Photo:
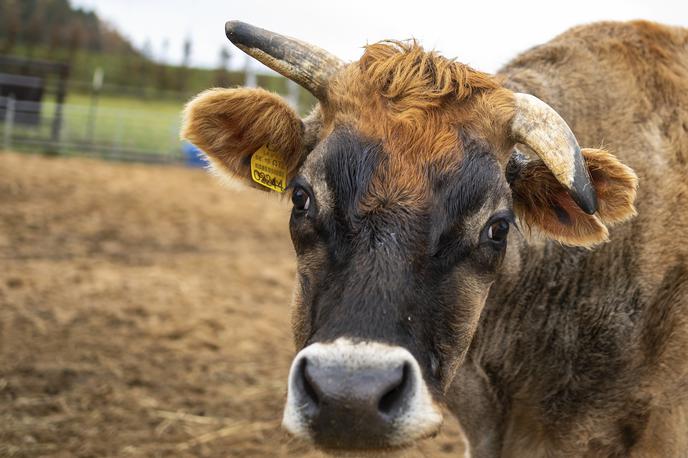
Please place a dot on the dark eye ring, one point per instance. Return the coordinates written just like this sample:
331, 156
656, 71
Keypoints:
300, 199
498, 230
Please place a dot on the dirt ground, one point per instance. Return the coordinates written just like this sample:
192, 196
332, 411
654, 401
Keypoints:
144, 311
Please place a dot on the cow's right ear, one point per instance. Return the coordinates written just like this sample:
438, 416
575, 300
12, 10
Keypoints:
546, 207
230, 125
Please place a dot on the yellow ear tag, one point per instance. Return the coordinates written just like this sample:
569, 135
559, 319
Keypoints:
267, 169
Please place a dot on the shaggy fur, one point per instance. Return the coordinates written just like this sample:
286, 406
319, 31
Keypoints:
417, 104
583, 353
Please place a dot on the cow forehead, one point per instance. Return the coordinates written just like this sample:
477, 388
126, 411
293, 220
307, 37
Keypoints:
397, 125
417, 103
357, 177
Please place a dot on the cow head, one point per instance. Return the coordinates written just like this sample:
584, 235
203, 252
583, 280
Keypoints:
407, 186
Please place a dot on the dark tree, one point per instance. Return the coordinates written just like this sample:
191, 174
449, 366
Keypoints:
11, 22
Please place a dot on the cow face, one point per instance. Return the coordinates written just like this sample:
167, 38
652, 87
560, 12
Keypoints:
391, 281
406, 193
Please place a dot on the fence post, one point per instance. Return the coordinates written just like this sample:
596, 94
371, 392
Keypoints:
250, 79
293, 94
9, 123
63, 74
93, 109
117, 151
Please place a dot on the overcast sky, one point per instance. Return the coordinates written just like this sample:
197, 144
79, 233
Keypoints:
484, 34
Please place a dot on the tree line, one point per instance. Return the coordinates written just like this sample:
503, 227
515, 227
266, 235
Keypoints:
55, 30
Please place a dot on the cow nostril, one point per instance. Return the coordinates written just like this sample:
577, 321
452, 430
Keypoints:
393, 400
309, 391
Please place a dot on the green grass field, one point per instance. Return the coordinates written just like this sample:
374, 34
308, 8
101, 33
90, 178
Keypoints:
162, 107
147, 125
114, 126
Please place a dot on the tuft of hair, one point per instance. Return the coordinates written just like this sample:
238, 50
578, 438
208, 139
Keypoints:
410, 77
417, 101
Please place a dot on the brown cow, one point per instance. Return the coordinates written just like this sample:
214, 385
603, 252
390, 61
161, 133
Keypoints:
454, 244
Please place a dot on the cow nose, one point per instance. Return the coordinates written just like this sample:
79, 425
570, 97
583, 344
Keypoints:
344, 395
362, 402
371, 393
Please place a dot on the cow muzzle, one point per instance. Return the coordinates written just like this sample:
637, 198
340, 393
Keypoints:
363, 395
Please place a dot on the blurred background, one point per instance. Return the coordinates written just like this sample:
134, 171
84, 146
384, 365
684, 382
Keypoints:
71, 82
144, 309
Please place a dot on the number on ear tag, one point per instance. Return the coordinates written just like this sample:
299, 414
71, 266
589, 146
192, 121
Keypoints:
267, 169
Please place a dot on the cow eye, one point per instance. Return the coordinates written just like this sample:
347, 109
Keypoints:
300, 199
498, 230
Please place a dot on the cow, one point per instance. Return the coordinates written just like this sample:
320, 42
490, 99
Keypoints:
458, 250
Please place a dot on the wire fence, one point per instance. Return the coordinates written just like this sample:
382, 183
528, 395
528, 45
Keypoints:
134, 124
112, 133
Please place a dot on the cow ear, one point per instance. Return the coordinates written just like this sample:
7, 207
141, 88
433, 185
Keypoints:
543, 205
230, 125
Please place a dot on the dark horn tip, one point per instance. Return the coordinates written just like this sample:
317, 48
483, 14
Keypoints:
582, 191
585, 197
235, 29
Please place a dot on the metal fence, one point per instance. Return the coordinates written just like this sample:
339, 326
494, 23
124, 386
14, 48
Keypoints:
34, 117
113, 133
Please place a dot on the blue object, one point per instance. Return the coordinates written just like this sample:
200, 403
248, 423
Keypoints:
194, 157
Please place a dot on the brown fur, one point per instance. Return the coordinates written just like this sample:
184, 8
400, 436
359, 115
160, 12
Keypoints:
610, 376
416, 103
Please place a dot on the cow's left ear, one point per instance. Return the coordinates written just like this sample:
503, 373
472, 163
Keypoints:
543, 205
230, 125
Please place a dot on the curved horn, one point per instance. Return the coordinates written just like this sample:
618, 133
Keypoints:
536, 125
307, 65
